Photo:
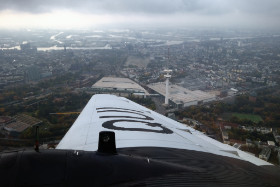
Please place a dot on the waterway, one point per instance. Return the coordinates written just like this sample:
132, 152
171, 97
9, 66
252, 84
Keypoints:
54, 37
73, 48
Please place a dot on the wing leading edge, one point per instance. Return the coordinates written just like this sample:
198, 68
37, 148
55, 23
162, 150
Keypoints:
137, 126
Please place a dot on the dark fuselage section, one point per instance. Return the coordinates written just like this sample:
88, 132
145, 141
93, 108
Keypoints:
131, 166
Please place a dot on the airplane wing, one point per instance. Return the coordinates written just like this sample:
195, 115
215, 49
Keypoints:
137, 126
115, 141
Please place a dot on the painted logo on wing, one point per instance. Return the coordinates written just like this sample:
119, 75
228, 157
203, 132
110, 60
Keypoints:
142, 119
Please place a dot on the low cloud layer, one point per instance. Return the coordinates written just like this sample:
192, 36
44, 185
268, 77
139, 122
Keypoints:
248, 12
269, 7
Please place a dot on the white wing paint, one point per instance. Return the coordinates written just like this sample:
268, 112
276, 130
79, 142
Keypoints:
137, 126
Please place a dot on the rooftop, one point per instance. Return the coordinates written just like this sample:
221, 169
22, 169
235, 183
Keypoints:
17, 126
21, 123
119, 84
181, 95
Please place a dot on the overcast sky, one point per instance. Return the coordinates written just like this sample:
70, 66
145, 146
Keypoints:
257, 14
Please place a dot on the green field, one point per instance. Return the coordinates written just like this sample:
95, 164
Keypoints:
252, 117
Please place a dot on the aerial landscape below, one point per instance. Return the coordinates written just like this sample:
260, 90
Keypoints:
205, 74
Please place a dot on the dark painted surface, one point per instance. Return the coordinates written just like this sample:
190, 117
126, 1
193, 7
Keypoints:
131, 166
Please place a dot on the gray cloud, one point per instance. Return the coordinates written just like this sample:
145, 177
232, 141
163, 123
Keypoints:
105, 6
215, 7
243, 11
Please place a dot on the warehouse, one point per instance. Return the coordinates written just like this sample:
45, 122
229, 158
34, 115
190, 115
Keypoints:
182, 97
118, 86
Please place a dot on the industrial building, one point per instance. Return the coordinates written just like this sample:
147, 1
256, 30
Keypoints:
118, 86
265, 153
182, 97
19, 123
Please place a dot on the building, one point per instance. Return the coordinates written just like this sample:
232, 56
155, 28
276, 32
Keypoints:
262, 145
228, 126
33, 73
239, 142
15, 128
276, 137
232, 92
26, 47
250, 143
223, 93
118, 86
265, 153
271, 143
237, 145
182, 97
19, 124
4, 120
225, 137
253, 96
